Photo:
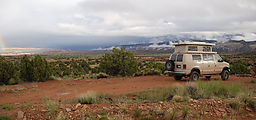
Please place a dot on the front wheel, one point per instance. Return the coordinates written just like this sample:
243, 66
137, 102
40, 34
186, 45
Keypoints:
225, 75
194, 76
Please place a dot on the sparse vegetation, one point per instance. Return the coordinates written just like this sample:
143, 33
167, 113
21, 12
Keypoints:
240, 67
172, 115
52, 108
198, 90
25, 106
60, 116
137, 113
7, 107
236, 104
88, 98
5, 117
253, 81
185, 111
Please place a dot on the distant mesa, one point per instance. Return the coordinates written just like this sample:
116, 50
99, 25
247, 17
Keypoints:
23, 51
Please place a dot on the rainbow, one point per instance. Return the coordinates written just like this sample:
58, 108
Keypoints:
2, 44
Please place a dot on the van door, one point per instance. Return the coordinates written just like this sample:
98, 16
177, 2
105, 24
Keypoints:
208, 64
211, 64
218, 64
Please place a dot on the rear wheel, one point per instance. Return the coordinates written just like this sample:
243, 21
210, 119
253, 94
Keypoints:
194, 76
169, 65
225, 75
177, 77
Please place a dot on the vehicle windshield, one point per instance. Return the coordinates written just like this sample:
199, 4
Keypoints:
173, 58
218, 58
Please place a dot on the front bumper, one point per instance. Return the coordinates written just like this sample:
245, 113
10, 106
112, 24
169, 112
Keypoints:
177, 73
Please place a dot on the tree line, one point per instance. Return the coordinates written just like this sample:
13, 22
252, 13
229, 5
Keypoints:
118, 63
36, 69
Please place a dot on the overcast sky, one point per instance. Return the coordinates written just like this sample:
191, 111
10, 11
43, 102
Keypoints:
34, 20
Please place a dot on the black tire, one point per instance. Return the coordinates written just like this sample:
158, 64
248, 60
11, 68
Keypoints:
194, 76
208, 77
225, 75
177, 77
169, 65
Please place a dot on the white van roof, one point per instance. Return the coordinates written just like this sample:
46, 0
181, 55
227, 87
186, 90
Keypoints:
193, 43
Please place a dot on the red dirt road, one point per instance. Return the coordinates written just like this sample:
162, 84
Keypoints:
37, 93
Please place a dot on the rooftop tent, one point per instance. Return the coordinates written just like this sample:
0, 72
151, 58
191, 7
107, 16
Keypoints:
193, 47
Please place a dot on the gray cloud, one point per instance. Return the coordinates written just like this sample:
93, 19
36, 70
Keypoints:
122, 18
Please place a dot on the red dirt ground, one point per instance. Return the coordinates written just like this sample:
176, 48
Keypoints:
37, 93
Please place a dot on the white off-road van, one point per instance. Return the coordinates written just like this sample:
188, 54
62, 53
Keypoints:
195, 59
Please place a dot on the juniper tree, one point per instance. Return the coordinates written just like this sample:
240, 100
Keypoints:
41, 69
26, 69
7, 71
119, 62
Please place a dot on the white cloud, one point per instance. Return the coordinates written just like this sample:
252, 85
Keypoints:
126, 17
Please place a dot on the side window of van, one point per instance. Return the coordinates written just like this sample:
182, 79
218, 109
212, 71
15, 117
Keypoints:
205, 57
180, 58
196, 57
192, 48
210, 57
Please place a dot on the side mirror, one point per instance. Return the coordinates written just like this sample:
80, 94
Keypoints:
220, 60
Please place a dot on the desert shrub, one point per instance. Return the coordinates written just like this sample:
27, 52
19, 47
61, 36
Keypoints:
26, 69
192, 89
185, 111
253, 81
101, 75
41, 69
173, 114
36, 69
88, 98
119, 62
60, 116
150, 68
160, 67
137, 113
178, 91
5, 117
7, 71
240, 67
254, 69
177, 98
248, 101
236, 104
52, 108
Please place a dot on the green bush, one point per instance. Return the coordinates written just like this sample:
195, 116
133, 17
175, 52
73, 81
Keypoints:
240, 67
7, 72
150, 68
119, 63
